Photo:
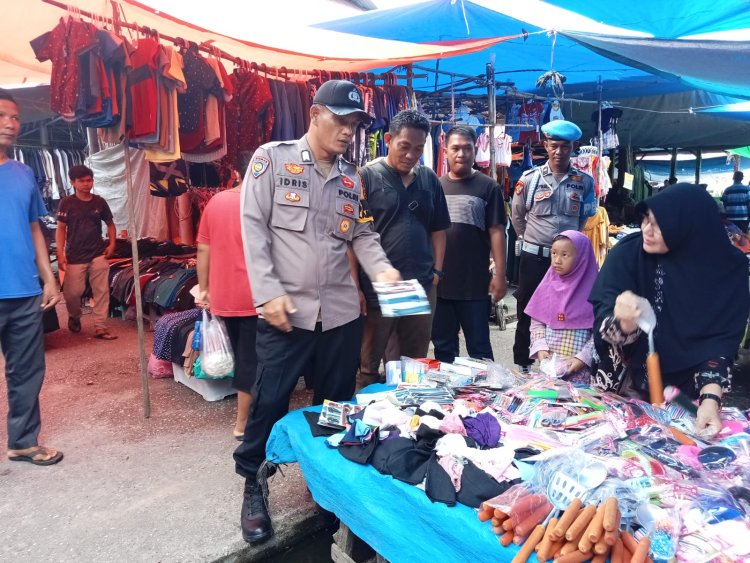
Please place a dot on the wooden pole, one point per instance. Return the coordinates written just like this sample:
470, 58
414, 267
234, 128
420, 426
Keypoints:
133, 233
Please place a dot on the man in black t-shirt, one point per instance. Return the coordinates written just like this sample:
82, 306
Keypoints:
81, 251
408, 207
477, 231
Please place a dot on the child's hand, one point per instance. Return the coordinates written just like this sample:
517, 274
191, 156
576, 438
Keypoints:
542, 355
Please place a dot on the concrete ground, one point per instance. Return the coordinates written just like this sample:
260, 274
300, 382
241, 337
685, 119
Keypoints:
133, 489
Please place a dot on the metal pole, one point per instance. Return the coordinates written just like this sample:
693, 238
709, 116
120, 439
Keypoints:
133, 232
491, 104
599, 131
698, 158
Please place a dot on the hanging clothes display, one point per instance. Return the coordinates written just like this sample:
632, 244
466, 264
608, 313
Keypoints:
108, 166
530, 113
62, 45
553, 111
610, 116
597, 231
503, 145
50, 167
588, 162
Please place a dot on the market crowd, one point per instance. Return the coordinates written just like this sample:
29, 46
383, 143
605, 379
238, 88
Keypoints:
287, 260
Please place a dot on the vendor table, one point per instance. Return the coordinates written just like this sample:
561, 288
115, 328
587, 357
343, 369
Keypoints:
396, 519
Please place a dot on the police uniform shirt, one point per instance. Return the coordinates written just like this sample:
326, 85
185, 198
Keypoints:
543, 207
296, 228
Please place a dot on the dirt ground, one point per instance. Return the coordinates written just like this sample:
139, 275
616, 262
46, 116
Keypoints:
130, 488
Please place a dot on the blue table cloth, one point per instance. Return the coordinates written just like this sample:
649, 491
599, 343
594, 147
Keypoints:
396, 519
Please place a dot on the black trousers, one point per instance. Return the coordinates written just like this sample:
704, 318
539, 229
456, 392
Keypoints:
472, 316
332, 357
241, 332
23, 348
532, 271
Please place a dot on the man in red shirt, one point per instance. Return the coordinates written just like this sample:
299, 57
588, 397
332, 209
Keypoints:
225, 289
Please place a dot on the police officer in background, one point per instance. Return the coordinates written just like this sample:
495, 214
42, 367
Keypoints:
301, 211
548, 200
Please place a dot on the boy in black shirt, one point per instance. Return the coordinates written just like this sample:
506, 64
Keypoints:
81, 250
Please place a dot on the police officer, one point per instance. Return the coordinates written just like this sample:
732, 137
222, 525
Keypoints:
301, 211
548, 200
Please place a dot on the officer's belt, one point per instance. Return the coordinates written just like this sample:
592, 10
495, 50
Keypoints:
536, 249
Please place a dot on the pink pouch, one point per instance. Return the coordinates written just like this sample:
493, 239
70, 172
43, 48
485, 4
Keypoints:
159, 369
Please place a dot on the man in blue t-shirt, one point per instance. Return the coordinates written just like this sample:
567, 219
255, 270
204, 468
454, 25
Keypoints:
28, 288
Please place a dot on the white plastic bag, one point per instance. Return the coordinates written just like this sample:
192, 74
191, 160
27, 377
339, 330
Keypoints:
217, 359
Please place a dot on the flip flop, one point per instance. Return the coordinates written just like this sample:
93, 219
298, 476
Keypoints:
29, 457
104, 335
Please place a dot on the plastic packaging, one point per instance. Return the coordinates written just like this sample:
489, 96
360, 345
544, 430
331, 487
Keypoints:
413, 370
662, 526
217, 359
500, 377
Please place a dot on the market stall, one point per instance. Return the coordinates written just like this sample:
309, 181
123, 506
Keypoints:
553, 441
156, 96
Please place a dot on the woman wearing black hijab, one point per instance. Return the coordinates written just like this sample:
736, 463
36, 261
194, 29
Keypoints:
696, 281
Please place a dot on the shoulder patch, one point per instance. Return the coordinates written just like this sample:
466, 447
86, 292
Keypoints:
520, 186
259, 165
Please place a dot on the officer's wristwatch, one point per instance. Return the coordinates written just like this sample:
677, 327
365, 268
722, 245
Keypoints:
438, 273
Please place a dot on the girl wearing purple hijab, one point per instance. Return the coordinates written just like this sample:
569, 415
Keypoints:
562, 319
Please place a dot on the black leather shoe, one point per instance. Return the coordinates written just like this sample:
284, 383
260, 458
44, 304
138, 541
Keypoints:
74, 325
255, 521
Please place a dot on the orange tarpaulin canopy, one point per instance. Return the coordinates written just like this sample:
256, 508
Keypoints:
238, 29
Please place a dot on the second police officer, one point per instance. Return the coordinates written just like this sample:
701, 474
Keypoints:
548, 200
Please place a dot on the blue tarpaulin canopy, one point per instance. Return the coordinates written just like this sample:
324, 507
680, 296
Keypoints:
517, 60
717, 66
662, 85
628, 66
666, 20
739, 111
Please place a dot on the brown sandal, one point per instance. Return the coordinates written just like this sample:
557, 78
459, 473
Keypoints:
104, 334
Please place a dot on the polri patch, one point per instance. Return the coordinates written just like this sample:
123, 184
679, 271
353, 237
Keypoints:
348, 182
519, 187
349, 209
345, 225
294, 168
259, 166
292, 197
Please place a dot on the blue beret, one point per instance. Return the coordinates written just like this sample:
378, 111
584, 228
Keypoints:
561, 130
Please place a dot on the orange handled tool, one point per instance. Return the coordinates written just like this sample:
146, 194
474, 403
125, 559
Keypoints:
653, 371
